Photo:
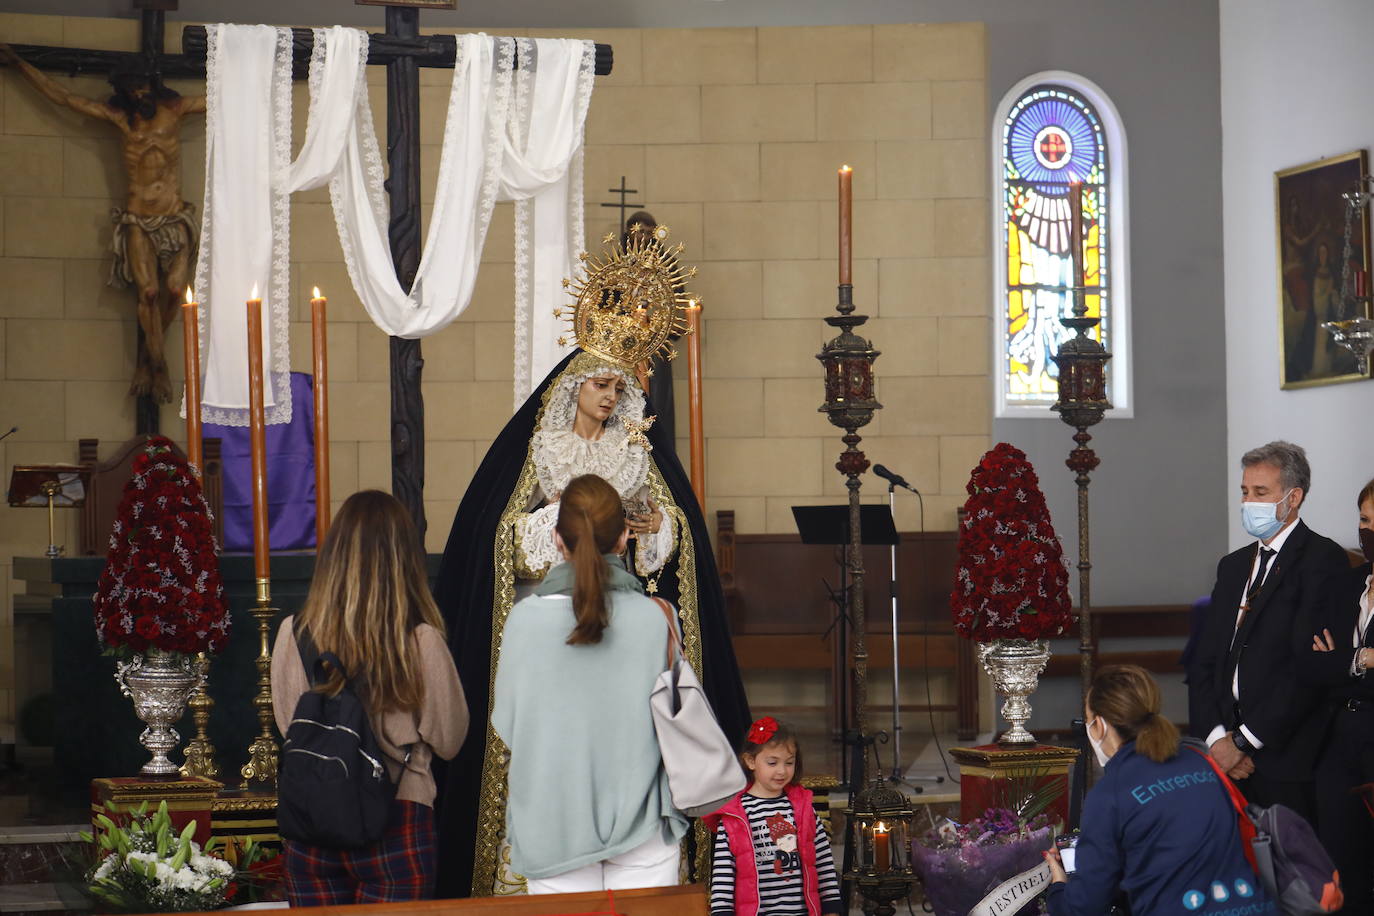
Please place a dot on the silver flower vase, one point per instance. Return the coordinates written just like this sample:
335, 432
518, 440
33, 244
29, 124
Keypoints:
159, 684
1015, 666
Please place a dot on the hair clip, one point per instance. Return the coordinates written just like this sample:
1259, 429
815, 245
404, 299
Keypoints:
762, 731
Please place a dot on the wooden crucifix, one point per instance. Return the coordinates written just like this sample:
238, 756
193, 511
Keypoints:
403, 51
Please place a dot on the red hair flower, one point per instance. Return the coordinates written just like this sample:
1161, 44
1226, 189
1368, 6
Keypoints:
762, 731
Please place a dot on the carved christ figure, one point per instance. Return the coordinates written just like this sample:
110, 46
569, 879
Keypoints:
154, 240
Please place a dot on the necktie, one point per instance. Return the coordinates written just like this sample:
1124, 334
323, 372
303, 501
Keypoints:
1266, 554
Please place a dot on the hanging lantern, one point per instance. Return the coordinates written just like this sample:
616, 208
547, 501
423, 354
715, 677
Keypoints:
880, 824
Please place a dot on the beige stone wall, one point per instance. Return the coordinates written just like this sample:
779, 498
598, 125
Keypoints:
732, 136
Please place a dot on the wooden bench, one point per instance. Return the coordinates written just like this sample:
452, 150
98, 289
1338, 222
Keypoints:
782, 617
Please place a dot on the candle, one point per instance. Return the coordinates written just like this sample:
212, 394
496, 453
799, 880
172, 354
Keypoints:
319, 348
1361, 287
1076, 230
190, 345
882, 853
258, 440
696, 434
846, 224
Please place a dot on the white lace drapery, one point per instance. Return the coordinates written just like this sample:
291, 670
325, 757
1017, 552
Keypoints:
542, 172
534, 158
245, 222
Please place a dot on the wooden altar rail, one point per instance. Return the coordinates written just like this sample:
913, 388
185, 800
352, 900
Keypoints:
778, 611
683, 900
1134, 621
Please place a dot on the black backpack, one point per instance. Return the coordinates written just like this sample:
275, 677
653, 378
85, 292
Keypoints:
332, 789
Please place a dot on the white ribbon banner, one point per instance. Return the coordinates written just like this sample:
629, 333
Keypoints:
1014, 893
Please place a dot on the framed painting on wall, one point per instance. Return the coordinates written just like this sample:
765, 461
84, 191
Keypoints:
1316, 269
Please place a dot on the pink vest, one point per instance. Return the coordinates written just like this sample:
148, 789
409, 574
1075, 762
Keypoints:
741, 843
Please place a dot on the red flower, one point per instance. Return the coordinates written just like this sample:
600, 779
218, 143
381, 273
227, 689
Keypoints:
762, 731
161, 585
1010, 580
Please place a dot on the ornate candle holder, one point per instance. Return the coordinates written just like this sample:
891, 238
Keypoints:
200, 753
1357, 336
849, 403
1082, 363
261, 767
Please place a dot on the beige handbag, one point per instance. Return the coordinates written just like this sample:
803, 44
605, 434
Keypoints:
703, 771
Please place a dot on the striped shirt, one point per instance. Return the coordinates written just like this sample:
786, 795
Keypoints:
776, 860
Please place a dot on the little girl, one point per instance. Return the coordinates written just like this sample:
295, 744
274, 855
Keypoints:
772, 856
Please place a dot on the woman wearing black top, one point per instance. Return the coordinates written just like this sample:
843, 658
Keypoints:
1341, 660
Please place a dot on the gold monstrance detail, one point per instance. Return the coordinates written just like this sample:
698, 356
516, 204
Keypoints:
632, 301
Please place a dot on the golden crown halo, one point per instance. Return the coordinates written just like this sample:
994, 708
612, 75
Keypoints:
632, 299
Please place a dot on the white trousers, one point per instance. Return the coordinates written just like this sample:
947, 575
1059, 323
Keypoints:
653, 863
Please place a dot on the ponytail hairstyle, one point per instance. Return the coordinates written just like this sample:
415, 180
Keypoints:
591, 521
770, 733
1127, 698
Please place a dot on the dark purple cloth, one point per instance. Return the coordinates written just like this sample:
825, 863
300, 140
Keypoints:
290, 476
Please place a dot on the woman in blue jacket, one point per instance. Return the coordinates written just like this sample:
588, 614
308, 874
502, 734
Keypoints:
1158, 825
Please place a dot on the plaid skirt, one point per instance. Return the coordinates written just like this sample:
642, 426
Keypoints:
400, 866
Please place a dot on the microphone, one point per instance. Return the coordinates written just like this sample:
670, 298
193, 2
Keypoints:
893, 478
12, 431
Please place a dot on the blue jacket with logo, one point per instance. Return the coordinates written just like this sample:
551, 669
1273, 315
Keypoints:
1166, 834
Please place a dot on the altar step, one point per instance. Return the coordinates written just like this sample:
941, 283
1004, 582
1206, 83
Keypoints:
37, 863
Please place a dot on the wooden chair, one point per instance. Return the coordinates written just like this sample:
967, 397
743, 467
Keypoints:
107, 487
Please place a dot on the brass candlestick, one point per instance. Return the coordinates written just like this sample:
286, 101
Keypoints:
200, 753
261, 768
50, 489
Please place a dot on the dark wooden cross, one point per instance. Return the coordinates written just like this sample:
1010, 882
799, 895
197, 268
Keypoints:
403, 50
622, 204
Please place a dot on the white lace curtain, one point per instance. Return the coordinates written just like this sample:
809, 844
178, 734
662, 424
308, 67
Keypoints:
510, 135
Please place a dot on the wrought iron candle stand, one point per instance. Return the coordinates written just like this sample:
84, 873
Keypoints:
849, 403
1082, 363
261, 768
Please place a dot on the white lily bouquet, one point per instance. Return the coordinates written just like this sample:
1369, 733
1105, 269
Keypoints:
149, 868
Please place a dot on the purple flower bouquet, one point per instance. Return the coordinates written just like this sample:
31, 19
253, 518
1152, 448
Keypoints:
960, 864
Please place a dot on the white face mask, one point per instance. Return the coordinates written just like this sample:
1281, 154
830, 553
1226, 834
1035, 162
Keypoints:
1102, 756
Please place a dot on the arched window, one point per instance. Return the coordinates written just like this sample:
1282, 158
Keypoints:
1053, 129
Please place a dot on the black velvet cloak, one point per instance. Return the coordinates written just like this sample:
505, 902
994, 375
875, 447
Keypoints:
465, 592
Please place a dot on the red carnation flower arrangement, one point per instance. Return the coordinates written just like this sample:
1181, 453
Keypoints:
161, 586
1010, 581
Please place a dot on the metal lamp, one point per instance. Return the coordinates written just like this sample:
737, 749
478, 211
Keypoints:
880, 822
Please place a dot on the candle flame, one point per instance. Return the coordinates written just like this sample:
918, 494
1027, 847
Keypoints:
190, 297
694, 303
880, 827
316, 293
254, 293
845, 168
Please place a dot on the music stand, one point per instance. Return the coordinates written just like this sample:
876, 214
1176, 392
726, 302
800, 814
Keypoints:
50, 485
830, 525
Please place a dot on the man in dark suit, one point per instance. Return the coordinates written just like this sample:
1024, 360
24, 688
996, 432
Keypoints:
1246, 698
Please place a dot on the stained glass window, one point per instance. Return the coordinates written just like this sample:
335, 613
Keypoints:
1051, 136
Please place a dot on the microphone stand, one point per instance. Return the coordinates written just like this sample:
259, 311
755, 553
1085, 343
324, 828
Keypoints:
896, 676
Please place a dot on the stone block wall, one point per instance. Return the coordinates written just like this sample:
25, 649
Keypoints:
732, 137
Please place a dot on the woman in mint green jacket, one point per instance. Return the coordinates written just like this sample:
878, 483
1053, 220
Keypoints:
589, 806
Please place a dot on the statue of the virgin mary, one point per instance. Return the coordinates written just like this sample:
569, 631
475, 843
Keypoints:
588, 416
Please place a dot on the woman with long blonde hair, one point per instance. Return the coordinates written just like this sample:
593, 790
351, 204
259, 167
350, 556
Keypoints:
370, 605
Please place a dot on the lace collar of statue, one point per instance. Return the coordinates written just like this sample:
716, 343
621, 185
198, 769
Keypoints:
561, 454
